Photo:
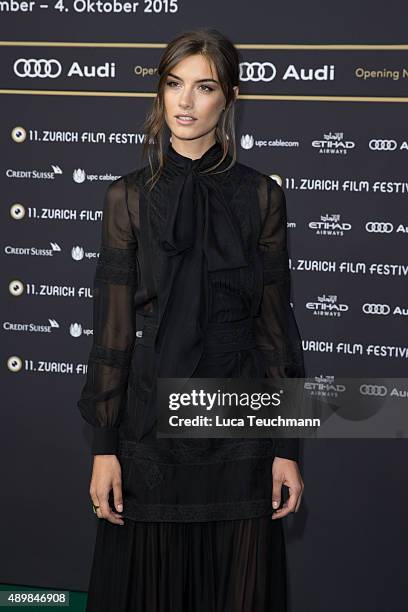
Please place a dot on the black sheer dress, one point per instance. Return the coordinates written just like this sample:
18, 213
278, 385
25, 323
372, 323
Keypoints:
192, 280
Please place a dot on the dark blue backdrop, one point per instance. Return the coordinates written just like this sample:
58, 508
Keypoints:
323, 109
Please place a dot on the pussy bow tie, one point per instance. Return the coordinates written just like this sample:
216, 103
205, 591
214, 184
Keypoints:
201, 235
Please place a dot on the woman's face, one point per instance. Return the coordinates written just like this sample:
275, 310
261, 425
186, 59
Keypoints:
192, 88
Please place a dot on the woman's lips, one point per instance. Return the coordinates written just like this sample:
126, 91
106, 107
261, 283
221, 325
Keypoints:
183, 121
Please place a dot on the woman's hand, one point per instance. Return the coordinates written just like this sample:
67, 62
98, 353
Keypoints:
286, 471
107, 474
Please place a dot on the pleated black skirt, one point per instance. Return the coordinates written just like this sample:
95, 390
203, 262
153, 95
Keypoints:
215, 566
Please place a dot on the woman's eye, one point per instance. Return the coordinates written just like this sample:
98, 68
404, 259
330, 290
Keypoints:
205, 87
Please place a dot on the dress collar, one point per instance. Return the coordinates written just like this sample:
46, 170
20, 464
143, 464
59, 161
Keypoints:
183, 164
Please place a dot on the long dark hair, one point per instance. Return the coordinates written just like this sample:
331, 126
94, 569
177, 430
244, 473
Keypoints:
225, 57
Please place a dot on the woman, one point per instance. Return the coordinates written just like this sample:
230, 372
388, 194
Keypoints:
192, 280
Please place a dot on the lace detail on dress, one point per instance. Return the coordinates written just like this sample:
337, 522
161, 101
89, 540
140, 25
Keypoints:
110, 357
276, 267
197, 451
196, 512
116, 266
151, 473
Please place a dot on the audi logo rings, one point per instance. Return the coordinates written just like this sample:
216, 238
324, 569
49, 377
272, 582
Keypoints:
382, 145
378, 309
37, 68
379, 227
378, 390
257, 71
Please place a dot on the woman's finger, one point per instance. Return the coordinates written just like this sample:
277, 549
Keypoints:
117, 495
106, 511
290, 504
95, 502
299, 500
276, 491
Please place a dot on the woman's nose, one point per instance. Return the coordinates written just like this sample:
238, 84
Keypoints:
186, 100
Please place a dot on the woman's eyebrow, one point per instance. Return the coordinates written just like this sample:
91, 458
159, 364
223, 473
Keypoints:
197, 81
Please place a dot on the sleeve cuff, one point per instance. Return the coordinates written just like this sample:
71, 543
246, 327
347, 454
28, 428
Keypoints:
104, 441
287, 448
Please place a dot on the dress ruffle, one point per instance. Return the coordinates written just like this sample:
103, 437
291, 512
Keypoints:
223, 566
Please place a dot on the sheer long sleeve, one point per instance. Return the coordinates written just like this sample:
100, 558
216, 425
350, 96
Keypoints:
275, 326
103, 395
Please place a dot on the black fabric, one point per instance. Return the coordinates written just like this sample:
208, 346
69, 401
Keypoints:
201, 235
192, 279
224, 566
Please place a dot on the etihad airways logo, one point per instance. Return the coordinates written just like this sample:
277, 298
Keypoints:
327, 306
333, 143
324, 386
51, 68
330, 225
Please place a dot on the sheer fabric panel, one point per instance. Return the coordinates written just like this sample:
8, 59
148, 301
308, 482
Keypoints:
114, 285
276, 330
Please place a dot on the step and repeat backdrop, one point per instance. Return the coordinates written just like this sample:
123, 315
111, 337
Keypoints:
323, 109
